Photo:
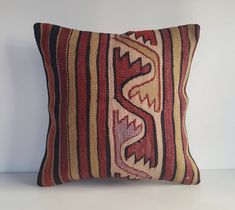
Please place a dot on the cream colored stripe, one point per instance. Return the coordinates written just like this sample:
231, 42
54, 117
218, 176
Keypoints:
72, 105
93, 105
180, 160
192, 39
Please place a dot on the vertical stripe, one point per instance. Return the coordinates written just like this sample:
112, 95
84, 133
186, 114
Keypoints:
53, 46
83, 105
167, 115
72, 104
37, 34
180, 161
184, 65
102, 115
47, 172
62, 46
93, 105
77, 107
193, 32
45, 45
50, 34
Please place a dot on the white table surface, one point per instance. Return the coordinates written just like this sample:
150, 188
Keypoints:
18, 191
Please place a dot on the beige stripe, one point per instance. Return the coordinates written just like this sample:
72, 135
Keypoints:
93, 105
192, 39
72, 105
180, 160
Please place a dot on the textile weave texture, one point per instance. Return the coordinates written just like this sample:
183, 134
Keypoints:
117, 104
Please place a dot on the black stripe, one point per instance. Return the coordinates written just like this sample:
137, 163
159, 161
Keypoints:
88, 79
37, 34
197, 32
77, 99
173, 95
162, 114
183, 39
52, 45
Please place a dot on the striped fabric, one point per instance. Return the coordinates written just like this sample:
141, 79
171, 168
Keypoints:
117, 104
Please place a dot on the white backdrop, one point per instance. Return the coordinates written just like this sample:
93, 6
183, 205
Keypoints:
211, 86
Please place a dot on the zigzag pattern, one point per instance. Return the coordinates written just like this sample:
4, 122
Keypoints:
127, 123
145, 35
146, 98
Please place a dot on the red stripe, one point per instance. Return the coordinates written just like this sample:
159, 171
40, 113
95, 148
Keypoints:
63, 40
102, 108
47, 179
184, 64
168, 100
82, 104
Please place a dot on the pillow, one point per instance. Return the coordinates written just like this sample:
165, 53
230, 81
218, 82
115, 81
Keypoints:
117, 104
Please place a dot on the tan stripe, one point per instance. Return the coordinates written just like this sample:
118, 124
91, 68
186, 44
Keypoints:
72, 105
93, 105
192, 39
180, 161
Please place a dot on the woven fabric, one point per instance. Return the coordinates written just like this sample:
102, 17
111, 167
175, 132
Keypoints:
117, 104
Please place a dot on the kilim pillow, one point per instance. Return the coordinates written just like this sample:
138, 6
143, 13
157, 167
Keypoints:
117, 104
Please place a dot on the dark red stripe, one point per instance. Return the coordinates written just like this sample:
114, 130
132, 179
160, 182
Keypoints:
184, 65
82, 105
167, 115
63, 41
102, 115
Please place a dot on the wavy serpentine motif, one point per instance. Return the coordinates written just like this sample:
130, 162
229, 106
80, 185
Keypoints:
136, 92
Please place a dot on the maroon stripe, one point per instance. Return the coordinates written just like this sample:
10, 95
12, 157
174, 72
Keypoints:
82, 105
63, 41
167, 115
184, 65
102, 105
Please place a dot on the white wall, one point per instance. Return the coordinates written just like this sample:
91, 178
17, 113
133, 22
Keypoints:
211, 87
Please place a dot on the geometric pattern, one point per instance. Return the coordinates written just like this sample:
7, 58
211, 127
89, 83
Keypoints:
117, 104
